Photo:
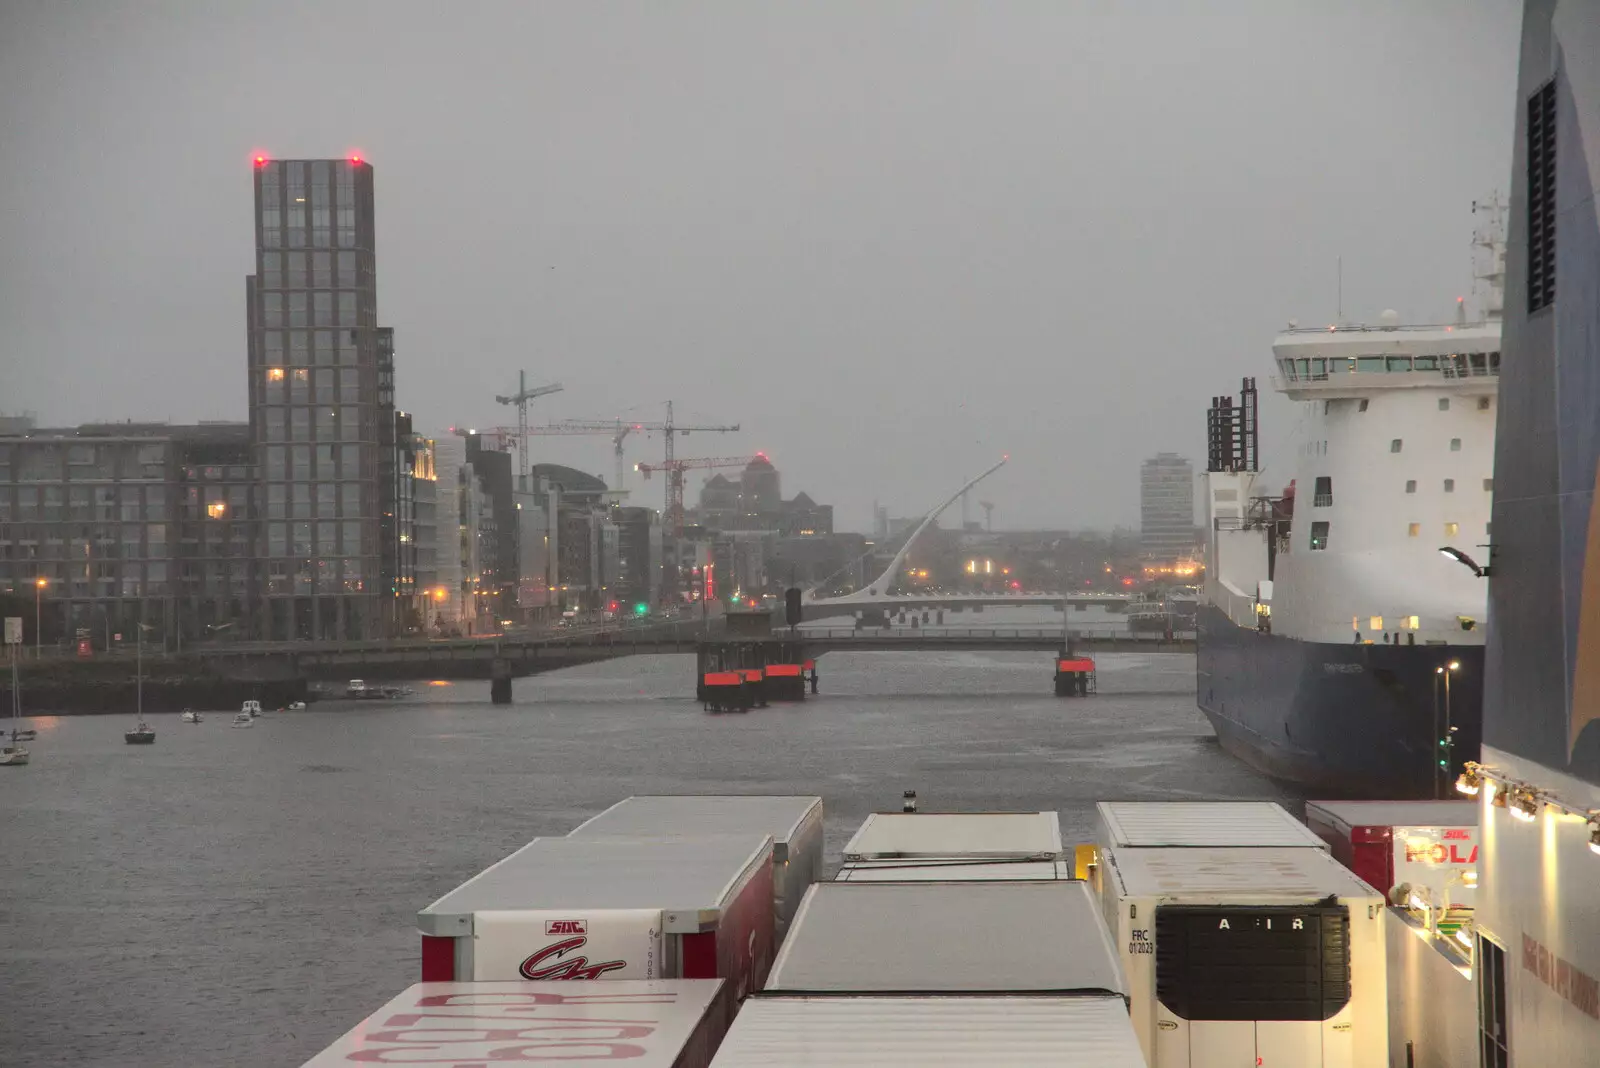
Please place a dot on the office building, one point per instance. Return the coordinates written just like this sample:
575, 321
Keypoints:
1166, 508
109, 526
321, 394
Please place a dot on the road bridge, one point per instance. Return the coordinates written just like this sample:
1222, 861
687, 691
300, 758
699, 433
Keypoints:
509, 656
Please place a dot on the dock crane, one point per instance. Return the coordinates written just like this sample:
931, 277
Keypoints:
521, 398
675, 468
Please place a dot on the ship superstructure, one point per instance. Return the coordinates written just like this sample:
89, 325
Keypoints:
1331, 614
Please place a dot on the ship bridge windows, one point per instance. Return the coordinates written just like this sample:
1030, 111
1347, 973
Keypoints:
1452, 529
1455, 444
1319, 536
1444, 404
1483, 404
1414, 530
1398, 363
1362, 406
1449, 485
1322, 492
1488, 485
1370, 364
1395, 445
1425, 363
1411, 485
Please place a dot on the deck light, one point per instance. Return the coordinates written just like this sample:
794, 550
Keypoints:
1469, 782
1524, 804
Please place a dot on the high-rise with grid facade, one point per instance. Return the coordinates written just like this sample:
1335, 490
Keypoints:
321, 405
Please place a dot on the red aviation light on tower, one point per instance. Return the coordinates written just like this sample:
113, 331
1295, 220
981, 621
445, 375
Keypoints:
260, 159
355, 159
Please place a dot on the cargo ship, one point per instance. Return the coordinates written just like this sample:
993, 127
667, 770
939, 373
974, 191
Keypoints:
1340, 635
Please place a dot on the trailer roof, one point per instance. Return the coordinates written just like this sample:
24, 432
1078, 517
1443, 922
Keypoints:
1007, 835
692, 876
783, 817
947, 938
1397, 813
931, 1032
1203, 823
1240, 873
457, 1023
952, 870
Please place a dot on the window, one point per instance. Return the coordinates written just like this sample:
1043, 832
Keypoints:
1414, 530
1455, 444
1413, 623
271, 309
1541, 133
1483, 404
1376, 622
1444, 404
1488, 485
1449, 485
1322, 494
1452, 529
1394, 446
1363, 405
1494, 1045
1370, 364
1319, 536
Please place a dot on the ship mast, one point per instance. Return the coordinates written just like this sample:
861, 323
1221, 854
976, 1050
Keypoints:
1489, 257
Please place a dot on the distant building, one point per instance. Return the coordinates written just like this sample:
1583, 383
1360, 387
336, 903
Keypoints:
115, 525
754, 501
1166, 508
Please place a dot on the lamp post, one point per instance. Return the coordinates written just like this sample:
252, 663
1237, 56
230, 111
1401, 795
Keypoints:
38, 634
1442, 762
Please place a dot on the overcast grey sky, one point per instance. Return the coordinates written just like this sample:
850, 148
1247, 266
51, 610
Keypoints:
893, 240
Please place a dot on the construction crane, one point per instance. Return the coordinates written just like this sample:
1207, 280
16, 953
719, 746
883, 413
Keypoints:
620, 429
521, 398
675, 469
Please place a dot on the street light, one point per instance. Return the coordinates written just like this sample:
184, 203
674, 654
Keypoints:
1465, 561
38, 635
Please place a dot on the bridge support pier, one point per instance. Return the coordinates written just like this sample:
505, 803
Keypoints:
500, 682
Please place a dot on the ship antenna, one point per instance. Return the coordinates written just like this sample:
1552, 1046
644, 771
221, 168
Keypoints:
1489, 256
1339, 312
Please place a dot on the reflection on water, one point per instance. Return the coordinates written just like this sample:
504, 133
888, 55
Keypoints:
241, 897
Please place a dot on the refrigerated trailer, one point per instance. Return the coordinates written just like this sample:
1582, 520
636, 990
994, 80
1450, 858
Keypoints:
1017, 1031
608, 909
1249, 955
953, 870
647, 1023
951, 835
1170, 824
795, 824
858, 938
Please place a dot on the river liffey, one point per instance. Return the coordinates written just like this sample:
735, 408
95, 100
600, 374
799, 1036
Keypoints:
239, 898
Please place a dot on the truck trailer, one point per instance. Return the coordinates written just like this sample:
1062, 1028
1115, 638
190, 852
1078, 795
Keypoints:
1249, 955
610, 909
647, 1023
795, 824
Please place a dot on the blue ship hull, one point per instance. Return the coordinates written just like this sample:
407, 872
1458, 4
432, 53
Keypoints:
1345, 720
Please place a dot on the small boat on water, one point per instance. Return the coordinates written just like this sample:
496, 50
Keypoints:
15, 754
191, 716
142, 733
24, 735
251, 708
244, 719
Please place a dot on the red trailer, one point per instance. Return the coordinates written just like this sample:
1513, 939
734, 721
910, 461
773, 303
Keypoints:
1423, 843
611, 908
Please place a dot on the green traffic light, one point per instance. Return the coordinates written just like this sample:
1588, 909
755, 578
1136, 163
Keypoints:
641, 609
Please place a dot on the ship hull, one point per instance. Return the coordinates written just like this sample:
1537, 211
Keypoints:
1344, 720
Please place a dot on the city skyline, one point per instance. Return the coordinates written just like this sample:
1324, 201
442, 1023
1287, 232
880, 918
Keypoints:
656, 210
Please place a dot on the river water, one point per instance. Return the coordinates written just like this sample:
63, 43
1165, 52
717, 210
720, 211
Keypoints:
241, 897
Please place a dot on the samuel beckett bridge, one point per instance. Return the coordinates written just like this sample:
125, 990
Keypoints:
501, 658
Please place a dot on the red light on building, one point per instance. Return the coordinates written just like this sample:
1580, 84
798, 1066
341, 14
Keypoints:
261, 161
1016, 585
355, 157
1127, 582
